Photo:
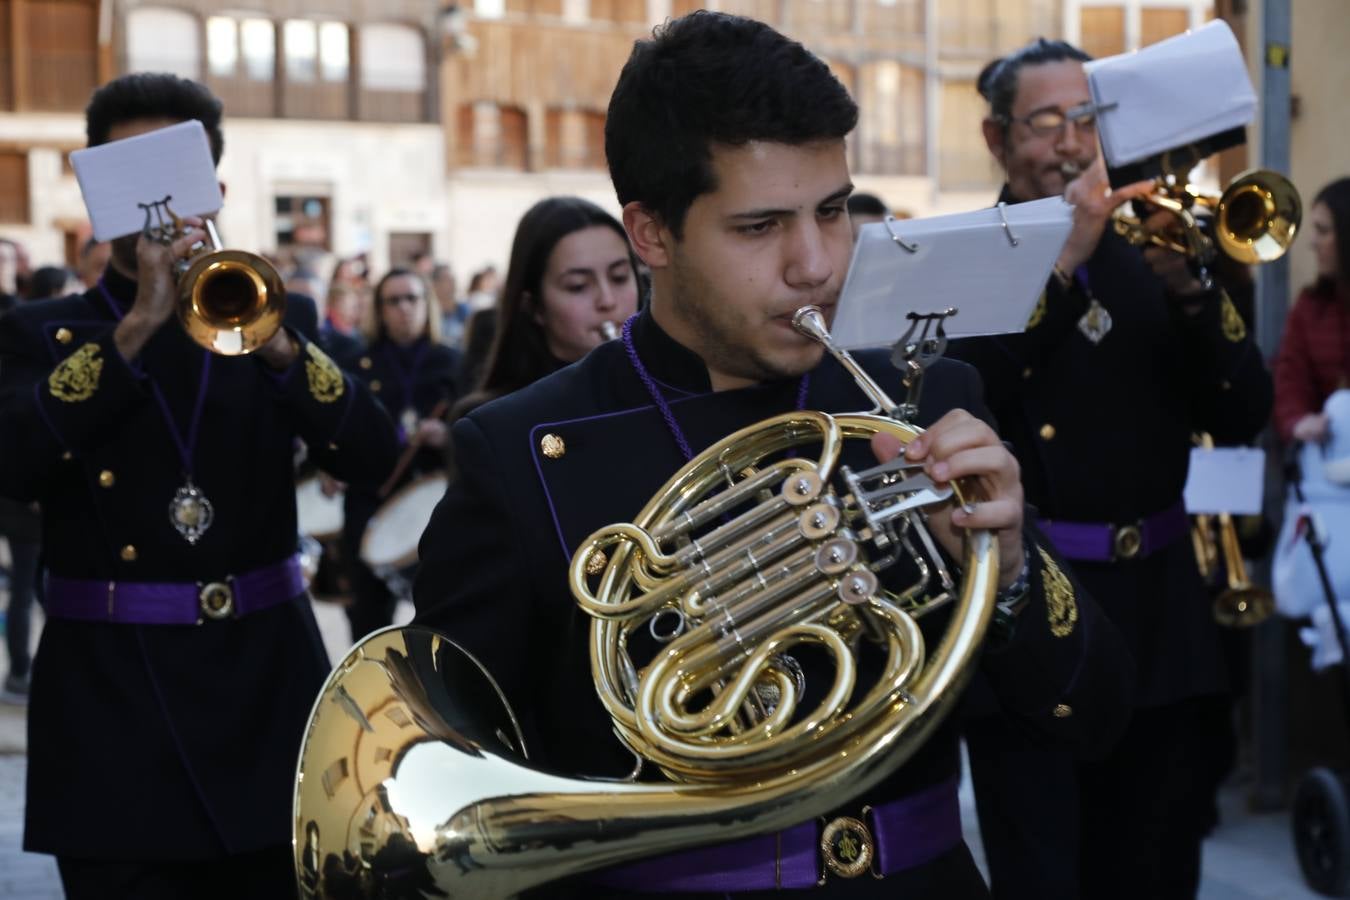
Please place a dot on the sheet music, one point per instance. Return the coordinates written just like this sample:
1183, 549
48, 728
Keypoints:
1170, 94
1225, 479
170, 162
965, 261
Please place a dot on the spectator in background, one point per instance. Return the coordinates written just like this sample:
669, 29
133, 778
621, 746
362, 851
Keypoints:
483, 286
1314, 357
13, 272
345, 311
93, 260
863, 209
423, 264
54, 281
454, 312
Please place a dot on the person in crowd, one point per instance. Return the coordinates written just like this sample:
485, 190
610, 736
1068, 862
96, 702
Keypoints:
53, 281
483, 287
1125, 357
180, 656
413, 374
93, 260
1314, 356
454, 312
864, 209
571, 276
735, 199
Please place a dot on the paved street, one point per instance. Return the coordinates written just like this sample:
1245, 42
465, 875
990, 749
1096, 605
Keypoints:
1250, 857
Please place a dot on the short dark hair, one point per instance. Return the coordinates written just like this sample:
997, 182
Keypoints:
49, 281
712, 78
997, 82
1336, 198
867, 205
153, 95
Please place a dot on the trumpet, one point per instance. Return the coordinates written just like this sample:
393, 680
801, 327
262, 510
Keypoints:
1253, 221
229, 301
1241, 604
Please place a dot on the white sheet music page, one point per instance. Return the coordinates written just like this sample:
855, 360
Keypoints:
171, 162
1225, 479
1170, 94
968, 261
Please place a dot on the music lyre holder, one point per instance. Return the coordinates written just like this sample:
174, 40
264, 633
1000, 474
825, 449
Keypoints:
160, 221
922, 344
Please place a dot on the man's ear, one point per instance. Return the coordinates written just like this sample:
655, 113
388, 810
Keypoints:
650, 238
995, 137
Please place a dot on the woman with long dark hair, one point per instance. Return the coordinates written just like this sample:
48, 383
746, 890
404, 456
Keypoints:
572, 278
412, 373
1314, 357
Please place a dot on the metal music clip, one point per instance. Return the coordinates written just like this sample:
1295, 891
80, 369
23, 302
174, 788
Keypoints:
165, 222
904, 245
1007, 229
913, 354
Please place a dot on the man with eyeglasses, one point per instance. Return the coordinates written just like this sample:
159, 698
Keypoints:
1125, 356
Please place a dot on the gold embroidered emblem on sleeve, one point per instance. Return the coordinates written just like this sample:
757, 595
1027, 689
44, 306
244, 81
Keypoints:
1060, 605
1233, 327
325, 378
1038, 313
76, 379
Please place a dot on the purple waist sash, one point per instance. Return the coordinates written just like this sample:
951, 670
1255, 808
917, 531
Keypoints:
1104, 542
908, 832
173, 603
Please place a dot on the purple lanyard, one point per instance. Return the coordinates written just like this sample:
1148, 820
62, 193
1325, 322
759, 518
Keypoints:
659, 399
187, 445
406, 377
1080, 275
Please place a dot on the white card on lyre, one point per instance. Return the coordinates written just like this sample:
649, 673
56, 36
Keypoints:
1170, 94
992, 273
174, 162
1225, 479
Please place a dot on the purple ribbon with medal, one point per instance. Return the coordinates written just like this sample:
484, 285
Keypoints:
190, 512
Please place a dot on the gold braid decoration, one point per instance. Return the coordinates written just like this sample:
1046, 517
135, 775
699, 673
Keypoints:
1061, 608
325, 378
76, 379
1233, 327
1038, 313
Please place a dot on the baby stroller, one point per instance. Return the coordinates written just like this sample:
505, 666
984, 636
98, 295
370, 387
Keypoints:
1308, 582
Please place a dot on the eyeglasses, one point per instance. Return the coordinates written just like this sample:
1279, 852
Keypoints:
1051, 122
396, 299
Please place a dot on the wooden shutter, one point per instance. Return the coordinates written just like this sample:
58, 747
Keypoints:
1156, 24
1103, 30
14, 187
62, 38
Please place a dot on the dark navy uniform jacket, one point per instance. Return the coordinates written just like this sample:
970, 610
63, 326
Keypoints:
1103, 434
430, 370
495, 556
157, 741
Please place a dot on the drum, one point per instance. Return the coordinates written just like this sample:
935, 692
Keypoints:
389, 545
317, 515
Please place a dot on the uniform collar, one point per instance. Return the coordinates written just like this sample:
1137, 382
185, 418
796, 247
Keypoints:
669, 362
122, 289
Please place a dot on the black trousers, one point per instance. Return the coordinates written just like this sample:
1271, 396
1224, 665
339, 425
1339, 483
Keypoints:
1127, 826
23, 585
264, 875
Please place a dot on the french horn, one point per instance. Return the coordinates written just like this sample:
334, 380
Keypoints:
413, 778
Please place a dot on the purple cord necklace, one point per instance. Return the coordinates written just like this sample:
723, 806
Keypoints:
659, 399
190, 512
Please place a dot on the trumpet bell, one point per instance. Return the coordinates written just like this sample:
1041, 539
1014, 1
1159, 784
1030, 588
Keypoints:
1257, 217
231, 302
1243, 607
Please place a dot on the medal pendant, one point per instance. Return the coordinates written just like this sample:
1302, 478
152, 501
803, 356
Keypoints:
1096, 322
190, 512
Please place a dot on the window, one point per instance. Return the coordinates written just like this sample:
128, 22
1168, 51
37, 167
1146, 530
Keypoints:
14, 187
492, 135
230, 41
301, 40
302, 222
393, 73
222, 47
489, 9
891, 131
163, 40
62, 41
576, 139
1107, 27
258, 41
1103, 30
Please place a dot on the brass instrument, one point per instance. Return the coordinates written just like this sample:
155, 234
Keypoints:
1241, 604
1253, 221
413, 775
229, 301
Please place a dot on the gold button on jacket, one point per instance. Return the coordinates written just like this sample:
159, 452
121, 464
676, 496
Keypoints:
552, 446
128, 553
1047, 432
106, 478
